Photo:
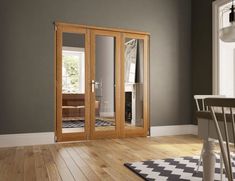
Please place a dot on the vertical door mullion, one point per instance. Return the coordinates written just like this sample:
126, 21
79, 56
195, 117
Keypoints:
118, 84
87, 84
59, 82
92, 75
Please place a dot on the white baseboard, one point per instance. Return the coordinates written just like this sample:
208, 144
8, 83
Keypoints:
25, 139
173, 130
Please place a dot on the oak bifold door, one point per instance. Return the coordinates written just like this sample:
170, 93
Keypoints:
101, 83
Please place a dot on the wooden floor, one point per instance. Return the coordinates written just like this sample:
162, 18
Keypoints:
90, 160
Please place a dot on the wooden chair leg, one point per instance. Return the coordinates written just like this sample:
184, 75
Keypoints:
221, 167
200, 159
222, 148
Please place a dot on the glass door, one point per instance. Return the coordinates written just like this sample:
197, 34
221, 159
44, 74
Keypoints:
105, 84
72, 83
101, 83
135, 90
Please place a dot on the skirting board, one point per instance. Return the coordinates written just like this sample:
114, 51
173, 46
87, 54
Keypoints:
25, 139
173, 130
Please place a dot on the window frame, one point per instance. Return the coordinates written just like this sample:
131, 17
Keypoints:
215, 45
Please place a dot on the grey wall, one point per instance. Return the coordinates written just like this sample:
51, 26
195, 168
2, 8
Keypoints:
201, 48
73, 40
27, 52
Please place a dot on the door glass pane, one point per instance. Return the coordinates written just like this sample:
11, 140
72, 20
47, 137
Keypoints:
134, 82
73, 83
104, 84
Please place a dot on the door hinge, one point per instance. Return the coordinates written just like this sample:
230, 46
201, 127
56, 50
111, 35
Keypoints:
55, 27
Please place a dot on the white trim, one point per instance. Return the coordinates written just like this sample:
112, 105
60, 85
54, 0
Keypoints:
215, 44
173, 130
25, 139
73, 49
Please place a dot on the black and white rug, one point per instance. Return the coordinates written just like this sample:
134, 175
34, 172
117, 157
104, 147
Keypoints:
81, 123
176, 169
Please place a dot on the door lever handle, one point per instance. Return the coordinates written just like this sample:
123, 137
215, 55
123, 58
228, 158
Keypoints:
93, 86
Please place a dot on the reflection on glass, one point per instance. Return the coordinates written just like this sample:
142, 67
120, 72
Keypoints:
73, 83
134, 81
104, 83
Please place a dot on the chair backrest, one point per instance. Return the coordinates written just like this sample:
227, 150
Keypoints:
200, 103
226, 105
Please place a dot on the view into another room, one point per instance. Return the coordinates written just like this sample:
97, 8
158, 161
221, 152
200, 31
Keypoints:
77, 106
73, 83
102, 77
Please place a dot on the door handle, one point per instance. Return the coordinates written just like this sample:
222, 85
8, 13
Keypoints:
94, 85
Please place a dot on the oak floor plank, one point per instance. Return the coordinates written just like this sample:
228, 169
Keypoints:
105, 159
18, 170
63, 169
41, 171
75, 170
114, 160
8, 164
82, 165
144, 151
29, 164
91, 160
3, 157
50, 165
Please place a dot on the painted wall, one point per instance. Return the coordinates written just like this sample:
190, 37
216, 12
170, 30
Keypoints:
27, 53
73, 40
201, 49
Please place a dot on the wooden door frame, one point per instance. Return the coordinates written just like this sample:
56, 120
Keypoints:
120, 35
144, 131
109, 133
60, 28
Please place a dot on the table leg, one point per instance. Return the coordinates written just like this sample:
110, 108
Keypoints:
208, 159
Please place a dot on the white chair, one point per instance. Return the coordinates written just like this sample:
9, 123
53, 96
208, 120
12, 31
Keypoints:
200, 105
200, 101
226, 117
